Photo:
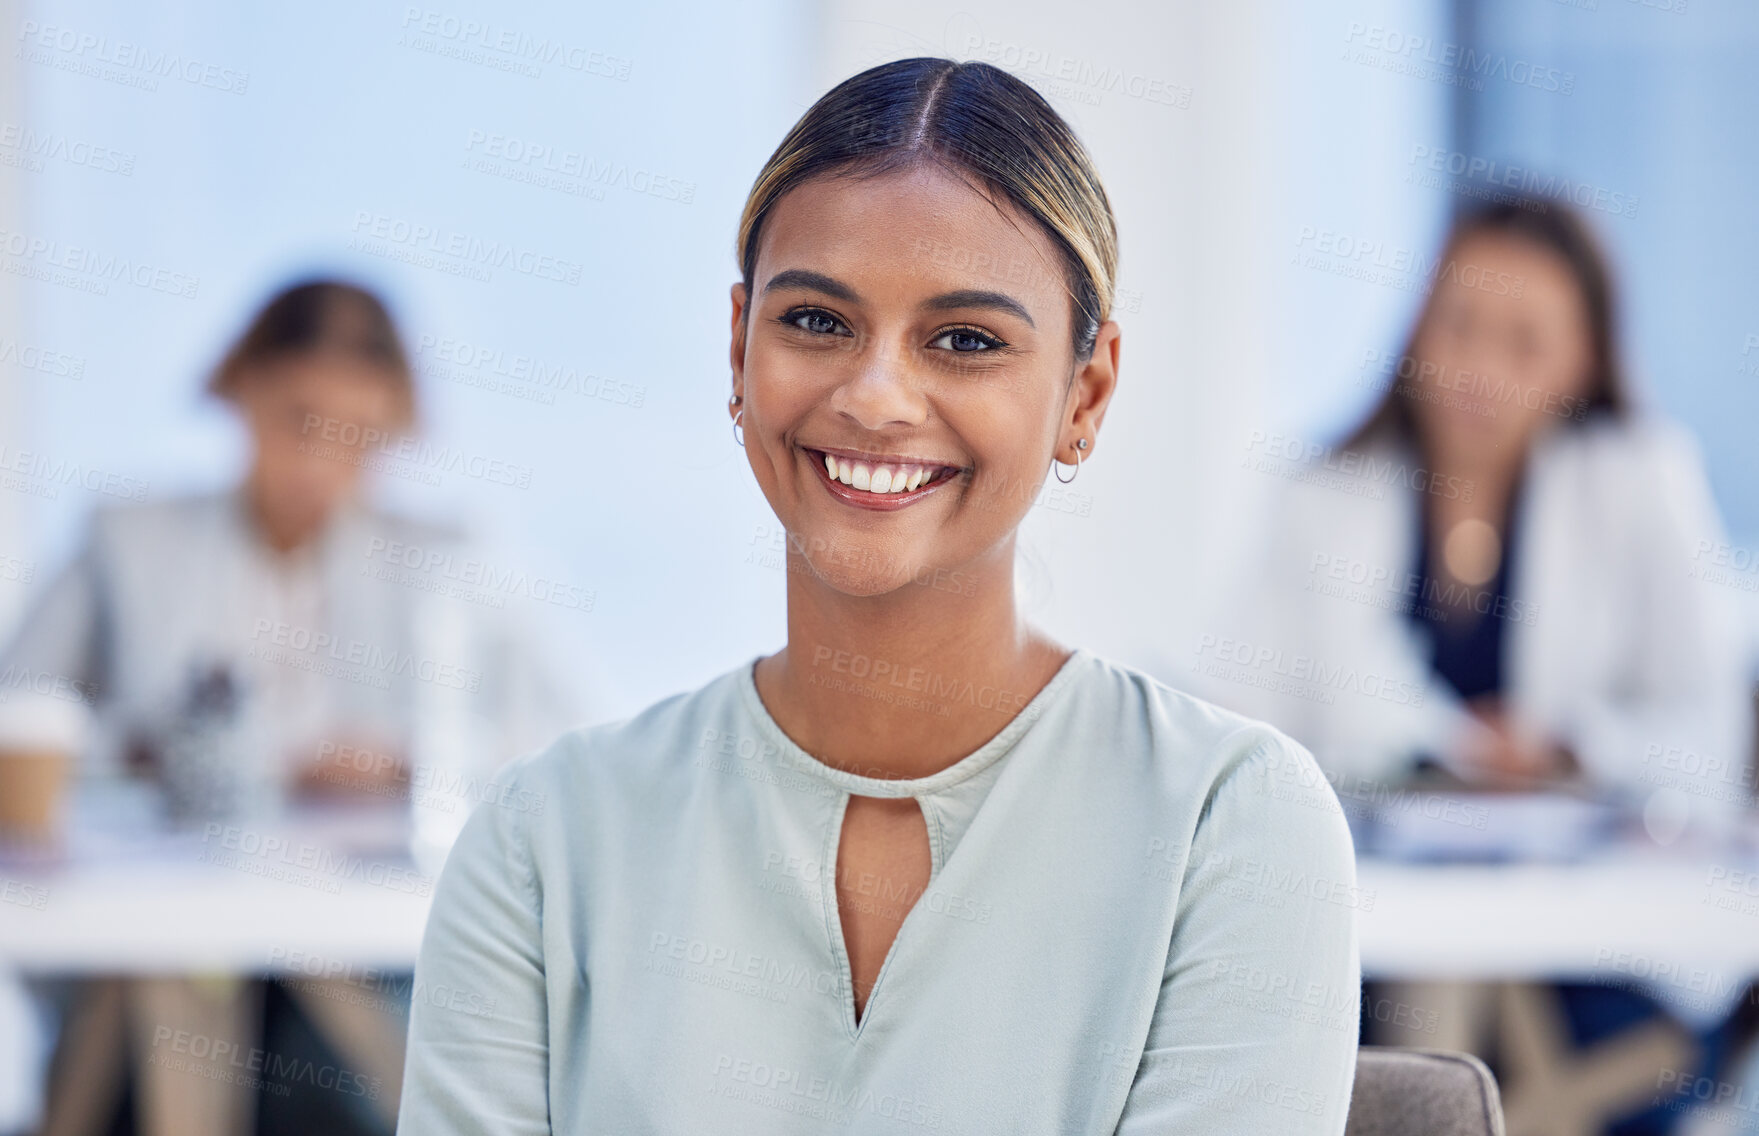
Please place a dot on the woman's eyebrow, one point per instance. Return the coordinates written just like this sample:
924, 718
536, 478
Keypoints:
812, 282
977, 298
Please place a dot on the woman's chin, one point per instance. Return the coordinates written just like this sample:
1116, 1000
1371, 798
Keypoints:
873, 573
852, 582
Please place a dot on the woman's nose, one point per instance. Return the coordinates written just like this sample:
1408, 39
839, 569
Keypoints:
884, 388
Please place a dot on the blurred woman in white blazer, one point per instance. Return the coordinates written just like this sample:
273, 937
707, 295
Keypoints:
335, 625
1506, 572
281, 641
1502, 570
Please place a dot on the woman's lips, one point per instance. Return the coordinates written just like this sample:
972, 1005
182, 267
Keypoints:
858, 481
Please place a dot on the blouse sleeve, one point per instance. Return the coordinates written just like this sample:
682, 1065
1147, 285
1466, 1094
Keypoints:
1255, 1028
478, 1057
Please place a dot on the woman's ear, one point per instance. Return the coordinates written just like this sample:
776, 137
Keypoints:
736, 347
1095, 382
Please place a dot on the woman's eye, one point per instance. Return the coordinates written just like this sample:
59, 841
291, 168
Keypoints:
815, 321
965, 340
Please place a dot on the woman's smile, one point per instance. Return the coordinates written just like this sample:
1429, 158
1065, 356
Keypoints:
878, 481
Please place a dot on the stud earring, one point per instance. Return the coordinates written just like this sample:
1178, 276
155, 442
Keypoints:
738, 428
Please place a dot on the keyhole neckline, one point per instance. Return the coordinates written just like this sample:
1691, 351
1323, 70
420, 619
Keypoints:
968, 766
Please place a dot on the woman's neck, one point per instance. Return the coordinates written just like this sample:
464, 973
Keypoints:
278, 532
904, 684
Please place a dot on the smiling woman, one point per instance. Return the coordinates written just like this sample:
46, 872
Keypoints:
924, 864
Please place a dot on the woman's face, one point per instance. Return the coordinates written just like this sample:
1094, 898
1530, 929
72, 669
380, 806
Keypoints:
314, 420
1504, 351
908, 330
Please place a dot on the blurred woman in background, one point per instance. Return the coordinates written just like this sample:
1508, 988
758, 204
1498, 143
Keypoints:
1501, 560
246, 651
1518, 562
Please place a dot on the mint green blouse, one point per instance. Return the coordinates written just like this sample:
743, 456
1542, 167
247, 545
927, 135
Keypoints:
1140, 918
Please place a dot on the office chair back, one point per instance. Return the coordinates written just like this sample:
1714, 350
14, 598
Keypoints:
1423, 1092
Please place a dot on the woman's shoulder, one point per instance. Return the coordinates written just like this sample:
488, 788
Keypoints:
147, 536
1633, 472
1638, 445
140, 515
1258, 795
673, 734
1189, 736
136, 512
396, 524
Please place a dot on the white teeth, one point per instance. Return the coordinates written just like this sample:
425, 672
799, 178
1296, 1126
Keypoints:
878, 478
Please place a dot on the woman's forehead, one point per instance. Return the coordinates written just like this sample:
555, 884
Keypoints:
1512, 274
920, 230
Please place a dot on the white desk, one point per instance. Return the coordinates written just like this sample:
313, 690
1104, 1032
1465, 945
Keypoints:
1477, 921
1556, 921
164, 918
335, 887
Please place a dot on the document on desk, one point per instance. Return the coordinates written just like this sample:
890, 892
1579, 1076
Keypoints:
1450, 825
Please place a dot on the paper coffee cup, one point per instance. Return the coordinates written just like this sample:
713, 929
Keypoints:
40, 737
